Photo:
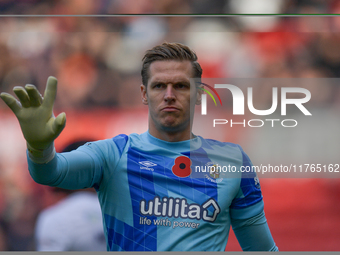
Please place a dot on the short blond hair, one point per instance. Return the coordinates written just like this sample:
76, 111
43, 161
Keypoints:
169, 51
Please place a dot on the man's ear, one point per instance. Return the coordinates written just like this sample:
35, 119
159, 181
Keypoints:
143, 94
199, 93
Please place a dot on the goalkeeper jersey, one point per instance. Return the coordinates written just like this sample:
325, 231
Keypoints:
166, 196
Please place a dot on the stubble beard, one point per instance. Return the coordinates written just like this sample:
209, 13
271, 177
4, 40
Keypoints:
171, 123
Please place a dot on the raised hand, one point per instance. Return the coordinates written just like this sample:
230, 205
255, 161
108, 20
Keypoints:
35, 114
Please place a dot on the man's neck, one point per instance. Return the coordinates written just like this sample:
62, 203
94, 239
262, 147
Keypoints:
171, 136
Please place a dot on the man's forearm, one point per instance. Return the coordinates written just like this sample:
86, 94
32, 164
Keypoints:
253, 234
70, 170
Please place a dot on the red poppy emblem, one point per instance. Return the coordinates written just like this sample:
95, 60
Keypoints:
182, 166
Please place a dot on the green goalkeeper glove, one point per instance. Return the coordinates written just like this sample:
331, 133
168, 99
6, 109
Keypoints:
38, 124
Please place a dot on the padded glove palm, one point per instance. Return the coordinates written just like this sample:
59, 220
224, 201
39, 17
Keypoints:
38, 124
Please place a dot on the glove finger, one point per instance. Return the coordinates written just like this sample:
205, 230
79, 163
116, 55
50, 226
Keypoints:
33, 93
50, 92
22, 95
59, 123
12, 103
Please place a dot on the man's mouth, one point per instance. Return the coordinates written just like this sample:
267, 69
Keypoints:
170, 109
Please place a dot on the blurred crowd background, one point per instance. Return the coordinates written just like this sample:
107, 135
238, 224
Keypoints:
97, 61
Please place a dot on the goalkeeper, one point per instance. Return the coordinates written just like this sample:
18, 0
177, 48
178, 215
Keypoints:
149, 200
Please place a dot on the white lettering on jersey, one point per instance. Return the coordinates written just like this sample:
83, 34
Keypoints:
179, 208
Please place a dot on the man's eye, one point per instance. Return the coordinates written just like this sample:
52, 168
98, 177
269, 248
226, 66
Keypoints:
181, 86
158, 86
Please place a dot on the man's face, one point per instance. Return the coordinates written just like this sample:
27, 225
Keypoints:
170, 96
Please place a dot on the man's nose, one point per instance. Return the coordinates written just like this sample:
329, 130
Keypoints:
169, 93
